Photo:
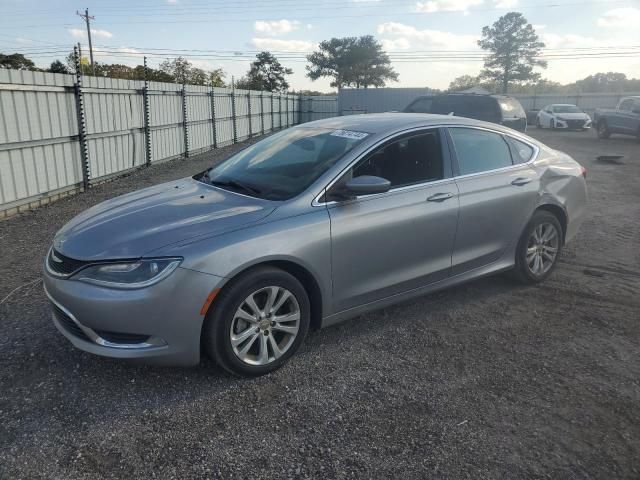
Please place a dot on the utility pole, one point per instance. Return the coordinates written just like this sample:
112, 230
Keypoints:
87, 20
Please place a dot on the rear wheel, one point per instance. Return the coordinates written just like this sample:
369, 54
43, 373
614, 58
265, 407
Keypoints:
539, 248
603, 129
258, 322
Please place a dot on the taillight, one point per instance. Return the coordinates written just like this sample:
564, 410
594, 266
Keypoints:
583, 171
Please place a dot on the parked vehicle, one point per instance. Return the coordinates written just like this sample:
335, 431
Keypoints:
500, 109
625, 119
563, 116
306, 228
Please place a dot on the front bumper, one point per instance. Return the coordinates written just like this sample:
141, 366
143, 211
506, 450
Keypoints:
160, 324
573, 124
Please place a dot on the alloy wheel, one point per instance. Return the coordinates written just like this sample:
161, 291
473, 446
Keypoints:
265, 325
542, 248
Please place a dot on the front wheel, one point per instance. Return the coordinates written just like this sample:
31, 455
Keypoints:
603, 130
539, 248
258, 322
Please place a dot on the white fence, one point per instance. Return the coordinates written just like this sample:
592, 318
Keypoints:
374, 100
57, 135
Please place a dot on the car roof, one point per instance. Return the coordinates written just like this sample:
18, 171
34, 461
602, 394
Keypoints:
390, 122
563, 105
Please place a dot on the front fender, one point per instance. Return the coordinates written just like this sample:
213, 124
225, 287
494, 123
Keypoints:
304, 240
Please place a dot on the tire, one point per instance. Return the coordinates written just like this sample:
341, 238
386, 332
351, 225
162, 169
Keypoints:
552, 124
224, 316
603, 130
524, 270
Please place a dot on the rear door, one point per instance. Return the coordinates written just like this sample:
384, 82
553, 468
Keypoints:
389, 243
498, 191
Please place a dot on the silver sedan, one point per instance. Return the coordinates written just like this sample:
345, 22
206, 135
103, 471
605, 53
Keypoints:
306, 228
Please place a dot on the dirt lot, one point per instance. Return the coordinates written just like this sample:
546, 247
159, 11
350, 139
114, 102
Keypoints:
488, 380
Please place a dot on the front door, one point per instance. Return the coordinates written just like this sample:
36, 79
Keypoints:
389, 243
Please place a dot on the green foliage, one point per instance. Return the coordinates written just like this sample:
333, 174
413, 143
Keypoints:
352, 61
607, 82
514, 47
57, 67
16, 61
610, 82
266, 73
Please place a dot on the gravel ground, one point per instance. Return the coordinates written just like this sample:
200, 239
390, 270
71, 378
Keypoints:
487, 380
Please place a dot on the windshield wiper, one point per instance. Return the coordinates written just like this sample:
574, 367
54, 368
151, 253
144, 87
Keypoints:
236, 185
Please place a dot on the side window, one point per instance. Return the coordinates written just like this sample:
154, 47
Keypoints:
626, 105
521, 152
412, 159
479, 150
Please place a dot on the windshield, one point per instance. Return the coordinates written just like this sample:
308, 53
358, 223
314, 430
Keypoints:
284, 164
566, 109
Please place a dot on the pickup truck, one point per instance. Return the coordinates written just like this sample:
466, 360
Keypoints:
625, 119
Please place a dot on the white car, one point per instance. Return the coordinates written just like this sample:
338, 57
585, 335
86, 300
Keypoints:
563, 116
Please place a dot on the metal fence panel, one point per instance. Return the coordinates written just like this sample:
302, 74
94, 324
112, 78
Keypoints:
224, 117
166, 121
317, 107
38, 129
374, 100
199, 118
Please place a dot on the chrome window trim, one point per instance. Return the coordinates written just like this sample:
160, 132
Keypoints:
536, 150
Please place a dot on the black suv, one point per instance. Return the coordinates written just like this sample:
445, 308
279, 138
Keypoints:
501, 109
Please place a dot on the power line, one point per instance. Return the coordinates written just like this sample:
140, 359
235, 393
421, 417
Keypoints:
220, 13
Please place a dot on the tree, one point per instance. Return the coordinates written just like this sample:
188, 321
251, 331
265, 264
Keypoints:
246, 83
216, 77
267, 73
464, 82
16, 61
603, 82
352, 61
514, 47
179, 68
58, 67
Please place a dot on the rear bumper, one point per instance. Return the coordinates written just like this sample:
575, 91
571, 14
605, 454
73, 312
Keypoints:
160, 324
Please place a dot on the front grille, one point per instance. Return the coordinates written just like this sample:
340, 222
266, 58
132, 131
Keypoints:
68, 324
122, 338
575, 123
62, 265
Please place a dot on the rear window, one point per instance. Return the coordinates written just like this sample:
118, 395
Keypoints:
470, 106
521, 152
421, 105
511, 108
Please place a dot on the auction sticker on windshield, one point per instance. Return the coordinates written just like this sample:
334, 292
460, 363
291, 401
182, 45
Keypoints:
349, 134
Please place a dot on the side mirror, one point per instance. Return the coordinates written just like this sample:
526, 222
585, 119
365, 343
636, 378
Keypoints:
366, 185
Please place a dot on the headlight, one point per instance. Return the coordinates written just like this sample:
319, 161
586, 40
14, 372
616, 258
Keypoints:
142, 273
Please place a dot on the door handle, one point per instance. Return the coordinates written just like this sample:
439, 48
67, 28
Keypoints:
439, 197
520, 181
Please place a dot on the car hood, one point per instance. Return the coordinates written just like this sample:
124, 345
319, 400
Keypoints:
131, 225
572, 116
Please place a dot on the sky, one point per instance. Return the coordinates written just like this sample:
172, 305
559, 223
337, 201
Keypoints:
430, 42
